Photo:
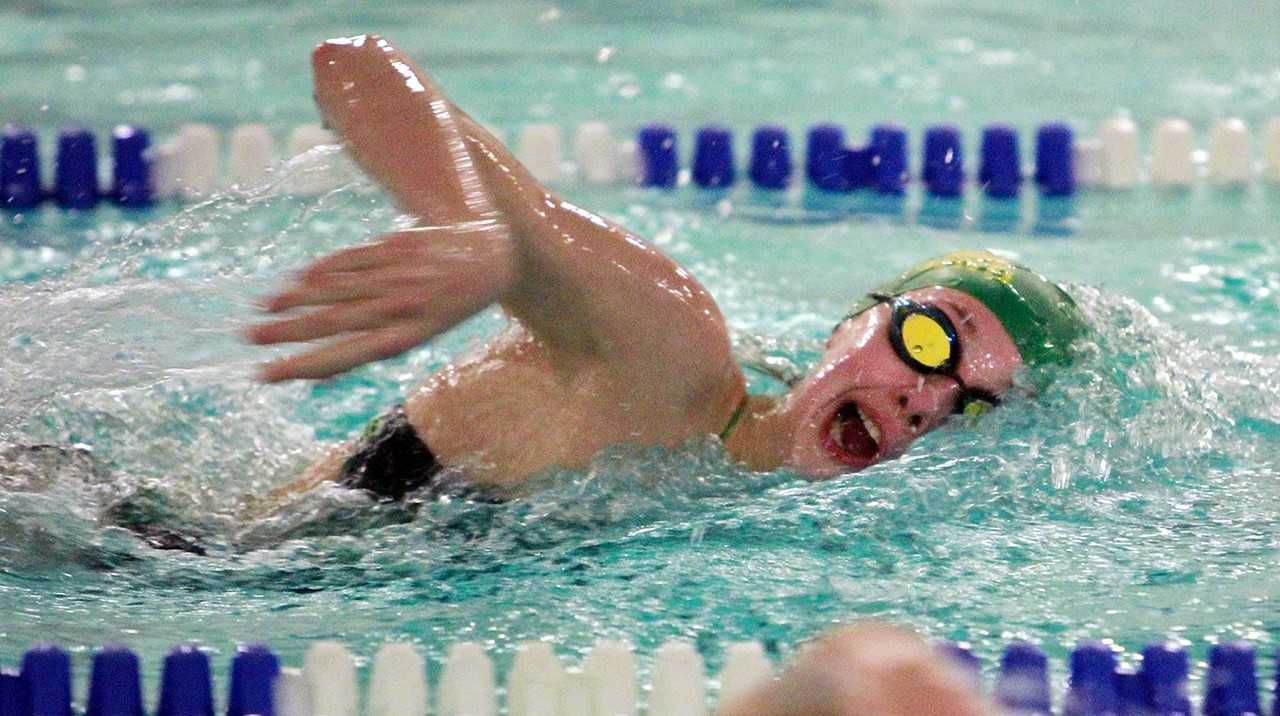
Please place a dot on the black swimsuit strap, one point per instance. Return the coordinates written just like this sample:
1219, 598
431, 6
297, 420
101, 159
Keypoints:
733, 419
391, 460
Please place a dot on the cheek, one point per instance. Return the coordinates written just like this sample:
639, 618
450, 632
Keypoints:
992, 369
871, 357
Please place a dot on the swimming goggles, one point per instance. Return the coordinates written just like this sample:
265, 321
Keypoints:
926, 340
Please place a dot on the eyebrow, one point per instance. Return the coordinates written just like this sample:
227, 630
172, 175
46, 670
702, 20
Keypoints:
965, 315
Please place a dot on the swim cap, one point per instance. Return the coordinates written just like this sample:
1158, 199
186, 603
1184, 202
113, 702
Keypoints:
1041, 318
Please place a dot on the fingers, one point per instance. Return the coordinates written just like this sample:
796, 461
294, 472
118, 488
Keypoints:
339, 357
339, 318
335, 288
394, 262
407, 245
356, 258
393, 294
331, 288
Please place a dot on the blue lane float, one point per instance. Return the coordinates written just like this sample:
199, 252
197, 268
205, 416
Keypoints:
1055, 170
770, 166
1164, 678
115, 683
889, 159
1130, 695
942, 170
20, 186
1094, 685
131, 172
12, 697
186, 688
75, 181
833, 165
1233, 685
1023, 683
860, 168
1097, 685
1000, 171
713, 166
46, 682
253, 670
825, 158
660, 163
830, 163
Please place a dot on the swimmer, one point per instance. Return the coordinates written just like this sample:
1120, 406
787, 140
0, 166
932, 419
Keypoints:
610, 341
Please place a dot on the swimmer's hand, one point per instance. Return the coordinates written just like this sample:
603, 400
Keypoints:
379, 300
866, 670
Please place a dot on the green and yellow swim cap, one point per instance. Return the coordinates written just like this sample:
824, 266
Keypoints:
1041, 318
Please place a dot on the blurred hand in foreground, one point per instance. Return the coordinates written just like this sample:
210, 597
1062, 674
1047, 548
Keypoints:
865, 670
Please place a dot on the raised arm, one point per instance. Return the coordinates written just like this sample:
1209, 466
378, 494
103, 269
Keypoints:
583, 285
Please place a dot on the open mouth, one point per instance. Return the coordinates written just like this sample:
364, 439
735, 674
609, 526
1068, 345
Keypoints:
852, 437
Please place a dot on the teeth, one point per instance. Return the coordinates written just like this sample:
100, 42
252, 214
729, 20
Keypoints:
837, 427
872, 429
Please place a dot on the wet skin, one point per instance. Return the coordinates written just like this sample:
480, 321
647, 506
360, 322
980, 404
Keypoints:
610, 342
863, 403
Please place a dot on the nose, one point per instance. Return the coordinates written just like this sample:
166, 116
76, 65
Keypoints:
927, 403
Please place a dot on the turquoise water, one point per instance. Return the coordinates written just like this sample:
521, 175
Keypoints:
1135, 499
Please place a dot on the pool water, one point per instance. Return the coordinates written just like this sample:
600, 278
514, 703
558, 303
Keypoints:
1135, 499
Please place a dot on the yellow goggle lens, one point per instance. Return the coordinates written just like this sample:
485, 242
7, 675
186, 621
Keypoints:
926, 340
974, 408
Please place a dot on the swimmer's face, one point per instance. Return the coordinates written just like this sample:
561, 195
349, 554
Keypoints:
864, 403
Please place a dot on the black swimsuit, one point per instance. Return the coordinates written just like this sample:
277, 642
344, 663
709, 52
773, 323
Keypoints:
391, 460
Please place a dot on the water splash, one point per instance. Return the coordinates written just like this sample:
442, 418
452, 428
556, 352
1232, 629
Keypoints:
1146, 471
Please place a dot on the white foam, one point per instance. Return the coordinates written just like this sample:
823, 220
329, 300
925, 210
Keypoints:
745, 667
593, 149
331, 679
467, 685
1120, 164
541, 150
252, 152
1172, 144
612, 670
1229, 155
398, 686
679, 682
